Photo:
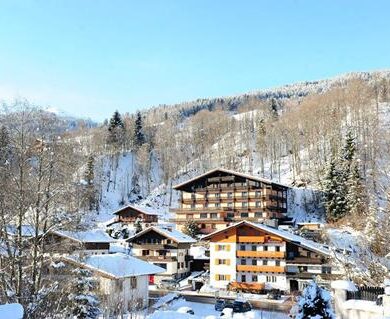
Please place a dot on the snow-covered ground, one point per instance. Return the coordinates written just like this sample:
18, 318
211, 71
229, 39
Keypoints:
207, 311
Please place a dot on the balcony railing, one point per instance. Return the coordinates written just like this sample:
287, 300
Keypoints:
251, 268
251, 239
159, 258
261, 254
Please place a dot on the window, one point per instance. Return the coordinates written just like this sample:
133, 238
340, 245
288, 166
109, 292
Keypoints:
277, 248
242, 247
254, 262
265, 248
230, 215
169, 241
213, 215
326, 270
244, 204
257, 194
217, 204
254, 278
190, 216
258, 204
222, 247
271, 278
254, 248
222, 262
206, 205
244, 215
244, 194
230, 195
203, 226
164, 266
258, 214
243, 278
216, 195
193, 205
230, 204
277, 262
133, 282
222, 277
243, 261
265, 262
203, 215
145, 253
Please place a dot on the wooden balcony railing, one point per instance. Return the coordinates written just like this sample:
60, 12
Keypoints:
251, 239
251, 268
247, 286
261, 254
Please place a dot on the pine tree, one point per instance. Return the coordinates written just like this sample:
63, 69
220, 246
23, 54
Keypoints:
115, 121
349, 149
84, 303
191, 228
137, 225
89, 172
116, 129
139, 136
356, 194
315, 302
333, 198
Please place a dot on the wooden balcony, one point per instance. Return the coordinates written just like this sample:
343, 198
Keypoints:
250, 239
261, 254
247, 286
158, 258
251, 268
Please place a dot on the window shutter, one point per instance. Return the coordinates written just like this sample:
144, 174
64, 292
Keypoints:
228, 247
228, 277
217, 277
228, 262
216, 247
216, 262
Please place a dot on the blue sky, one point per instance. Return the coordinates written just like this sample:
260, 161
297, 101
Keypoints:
90, 57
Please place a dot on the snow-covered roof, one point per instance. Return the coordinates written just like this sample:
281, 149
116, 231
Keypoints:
254, 178
169, 232
116, 265
27, 230
143, 210
86, 236
298, 240
11, 311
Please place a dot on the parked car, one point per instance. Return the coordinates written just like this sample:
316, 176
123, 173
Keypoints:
241, 306
274, 294
169, 284
221, 304
186, 310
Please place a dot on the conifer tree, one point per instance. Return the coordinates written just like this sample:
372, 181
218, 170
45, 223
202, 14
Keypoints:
191, 228
331, 188
139, 136
315, 302
116, 129
89, 179
137, 225
84, 303
115, 121
356, 194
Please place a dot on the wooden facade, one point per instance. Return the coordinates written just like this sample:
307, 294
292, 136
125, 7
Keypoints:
130, 214
249, 255
162, 250
220, 197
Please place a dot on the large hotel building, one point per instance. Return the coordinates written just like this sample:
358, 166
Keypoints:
222, 197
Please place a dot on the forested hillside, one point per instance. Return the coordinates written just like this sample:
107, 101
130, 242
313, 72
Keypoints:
329, 140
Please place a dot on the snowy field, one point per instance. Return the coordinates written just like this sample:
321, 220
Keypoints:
206, 311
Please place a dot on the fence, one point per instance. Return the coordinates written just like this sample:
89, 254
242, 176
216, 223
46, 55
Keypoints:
366, 293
